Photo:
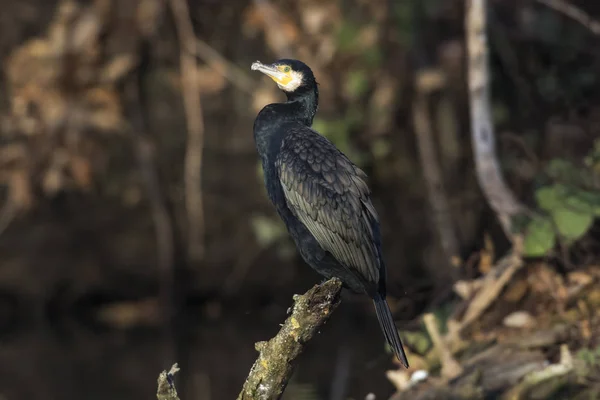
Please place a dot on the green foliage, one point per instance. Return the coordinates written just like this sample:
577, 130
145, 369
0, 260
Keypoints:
372, 56
592, 161
570, 206
419, 341
590, 356
443, 314
347, 36
380, 148
539, 237
591, 359
571, 224
403, 15
357, 83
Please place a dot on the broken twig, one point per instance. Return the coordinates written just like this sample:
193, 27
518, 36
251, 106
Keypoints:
450, 367
574, 13
166, 386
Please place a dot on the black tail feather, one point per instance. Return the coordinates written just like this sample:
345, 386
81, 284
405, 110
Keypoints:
389, 328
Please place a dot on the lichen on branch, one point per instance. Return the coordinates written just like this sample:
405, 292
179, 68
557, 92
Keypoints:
274, 366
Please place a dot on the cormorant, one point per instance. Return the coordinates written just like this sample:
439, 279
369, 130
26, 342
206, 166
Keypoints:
322, 197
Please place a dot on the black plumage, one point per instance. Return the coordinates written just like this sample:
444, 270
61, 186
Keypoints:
322, 197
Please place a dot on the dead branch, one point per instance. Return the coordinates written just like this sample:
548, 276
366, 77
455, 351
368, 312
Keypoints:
552, 372
230, 71
574, 13
163, 225
195, 125
489, 174
438, 200
166, 387
450, 367
277, 357
492, 285
279, 42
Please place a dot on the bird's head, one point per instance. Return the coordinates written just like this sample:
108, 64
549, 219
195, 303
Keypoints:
292, 76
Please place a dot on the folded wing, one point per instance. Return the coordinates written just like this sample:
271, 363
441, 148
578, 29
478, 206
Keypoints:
330, 196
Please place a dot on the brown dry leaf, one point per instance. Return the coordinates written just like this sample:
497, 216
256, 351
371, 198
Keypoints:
81, 170
316, 17
486, 255
147, 15
210, 81
11, 154
515, 291
368, 36
33, 62
586, 331
117, 68
104, 109
20, 189
85, 31
130, 314
281, 32
543, 279
400, 378
466, 289
429, 80
580, 278
53, 181
519, 319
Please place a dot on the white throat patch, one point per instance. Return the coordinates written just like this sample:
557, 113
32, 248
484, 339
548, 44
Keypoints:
294, 83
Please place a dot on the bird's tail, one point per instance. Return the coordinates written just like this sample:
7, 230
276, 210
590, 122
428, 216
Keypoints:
384, 315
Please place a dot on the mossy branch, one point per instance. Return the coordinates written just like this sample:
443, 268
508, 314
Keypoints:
273, 368
166, 387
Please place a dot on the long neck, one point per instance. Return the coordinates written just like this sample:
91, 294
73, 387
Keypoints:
269, 128
303, 106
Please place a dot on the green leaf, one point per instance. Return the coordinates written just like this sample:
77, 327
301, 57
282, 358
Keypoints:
419, 341
539, 238
548, 198
572, 224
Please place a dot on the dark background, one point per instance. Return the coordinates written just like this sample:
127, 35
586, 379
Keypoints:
95, 228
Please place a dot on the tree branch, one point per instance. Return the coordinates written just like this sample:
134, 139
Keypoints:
489, 174
166, 387
195, 125
574, 13
426, 83
273, 368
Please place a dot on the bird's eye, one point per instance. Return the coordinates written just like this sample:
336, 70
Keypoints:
287, 69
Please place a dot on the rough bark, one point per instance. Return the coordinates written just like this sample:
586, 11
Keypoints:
277, 357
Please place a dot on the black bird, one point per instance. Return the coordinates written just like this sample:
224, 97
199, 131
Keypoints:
322, 197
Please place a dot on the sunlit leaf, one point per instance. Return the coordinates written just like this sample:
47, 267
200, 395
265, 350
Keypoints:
547, 198
539, 237
572, 224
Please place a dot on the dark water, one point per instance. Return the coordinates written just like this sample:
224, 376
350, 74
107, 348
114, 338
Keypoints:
65, 358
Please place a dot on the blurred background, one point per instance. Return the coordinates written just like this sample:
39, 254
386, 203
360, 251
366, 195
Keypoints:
135, 230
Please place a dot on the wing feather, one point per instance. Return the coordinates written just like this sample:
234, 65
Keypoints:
330, 196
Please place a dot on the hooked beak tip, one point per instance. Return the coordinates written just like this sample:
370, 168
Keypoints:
255, 65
